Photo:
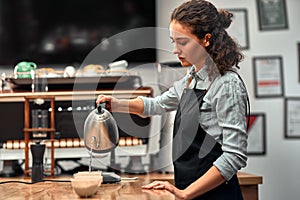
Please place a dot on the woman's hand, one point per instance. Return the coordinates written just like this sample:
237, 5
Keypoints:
134, 106
165, 185
109, 100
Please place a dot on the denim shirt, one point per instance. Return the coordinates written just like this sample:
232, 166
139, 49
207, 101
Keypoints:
222, 114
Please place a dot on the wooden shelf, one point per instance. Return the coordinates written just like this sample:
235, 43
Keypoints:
74, 95
39, 129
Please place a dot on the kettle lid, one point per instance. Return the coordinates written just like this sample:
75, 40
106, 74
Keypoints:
101, 113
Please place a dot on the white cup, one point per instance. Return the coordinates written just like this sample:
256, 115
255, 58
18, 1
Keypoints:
118, 65
69, 71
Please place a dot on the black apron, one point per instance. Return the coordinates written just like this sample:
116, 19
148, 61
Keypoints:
194, 151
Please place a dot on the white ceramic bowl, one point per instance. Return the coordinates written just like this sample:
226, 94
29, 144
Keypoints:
85, 187
89, 175
92, 173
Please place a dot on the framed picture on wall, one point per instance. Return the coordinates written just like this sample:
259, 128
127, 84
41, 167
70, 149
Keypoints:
272, 14
256, 134
292, 117
239, 27
268, 76
299, 60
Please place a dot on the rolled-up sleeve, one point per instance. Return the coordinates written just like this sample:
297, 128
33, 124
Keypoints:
231, 107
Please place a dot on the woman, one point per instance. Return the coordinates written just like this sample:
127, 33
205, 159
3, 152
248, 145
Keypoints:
209, 137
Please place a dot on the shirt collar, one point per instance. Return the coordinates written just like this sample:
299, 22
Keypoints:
201, 74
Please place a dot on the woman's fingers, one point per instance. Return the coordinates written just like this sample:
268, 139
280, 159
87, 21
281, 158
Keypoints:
101, 99
159, 187
151, 185
164, 186
155, 185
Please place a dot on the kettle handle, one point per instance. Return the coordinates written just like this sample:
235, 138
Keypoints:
101, 106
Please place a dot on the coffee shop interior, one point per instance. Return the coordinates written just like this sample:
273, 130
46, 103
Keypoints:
57, 56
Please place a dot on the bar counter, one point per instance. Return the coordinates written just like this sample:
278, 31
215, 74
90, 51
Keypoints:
126, 189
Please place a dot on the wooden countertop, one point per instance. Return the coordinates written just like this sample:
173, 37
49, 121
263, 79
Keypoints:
126, 189
249, 179
244, 178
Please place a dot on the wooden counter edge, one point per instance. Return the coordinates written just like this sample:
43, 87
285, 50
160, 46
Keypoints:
249, 179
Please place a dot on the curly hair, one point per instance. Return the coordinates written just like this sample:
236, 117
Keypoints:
202, 17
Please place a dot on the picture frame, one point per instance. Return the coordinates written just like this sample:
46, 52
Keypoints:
239, 27
292, 117
268, 76
299, 61
256, 134
272, 14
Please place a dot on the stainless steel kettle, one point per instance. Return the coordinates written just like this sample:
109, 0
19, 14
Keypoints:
100, 130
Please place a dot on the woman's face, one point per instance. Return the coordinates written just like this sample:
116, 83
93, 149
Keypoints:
188, 48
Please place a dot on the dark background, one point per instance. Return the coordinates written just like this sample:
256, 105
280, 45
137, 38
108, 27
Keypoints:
65, 31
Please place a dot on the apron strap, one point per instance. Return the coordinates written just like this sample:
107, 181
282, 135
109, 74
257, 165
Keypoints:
188, 82
248, 100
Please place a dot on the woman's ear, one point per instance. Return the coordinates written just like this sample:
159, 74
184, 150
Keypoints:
206, 38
